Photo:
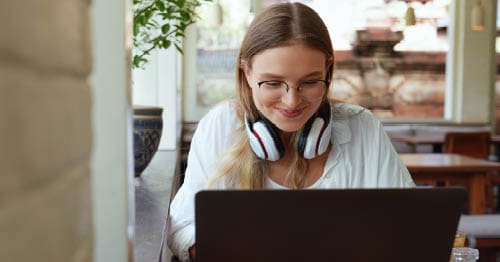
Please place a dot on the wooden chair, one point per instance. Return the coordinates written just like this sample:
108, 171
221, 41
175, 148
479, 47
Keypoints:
473, 144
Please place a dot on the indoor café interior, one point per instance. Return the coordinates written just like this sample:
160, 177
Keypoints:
104, 107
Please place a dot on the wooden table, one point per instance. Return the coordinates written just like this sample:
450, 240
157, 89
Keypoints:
436, 140
451, 169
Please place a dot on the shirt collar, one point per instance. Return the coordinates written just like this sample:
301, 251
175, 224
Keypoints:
341, 114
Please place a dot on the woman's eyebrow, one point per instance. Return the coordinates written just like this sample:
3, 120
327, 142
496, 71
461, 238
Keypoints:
315, 73
276, 76
270, 75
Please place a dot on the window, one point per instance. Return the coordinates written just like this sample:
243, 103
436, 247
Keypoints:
212, 68
395, 70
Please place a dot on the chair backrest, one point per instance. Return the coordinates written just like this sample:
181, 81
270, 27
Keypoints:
474, 144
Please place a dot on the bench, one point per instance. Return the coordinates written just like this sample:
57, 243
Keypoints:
483, 233
425, 129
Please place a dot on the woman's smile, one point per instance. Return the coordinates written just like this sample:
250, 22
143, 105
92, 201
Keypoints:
290, 113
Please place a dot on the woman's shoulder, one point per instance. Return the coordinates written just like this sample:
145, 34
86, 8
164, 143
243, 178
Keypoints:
224, 112
347, 111
224, 107
352, 120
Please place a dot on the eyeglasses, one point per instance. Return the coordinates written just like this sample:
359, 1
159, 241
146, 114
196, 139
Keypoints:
310, 90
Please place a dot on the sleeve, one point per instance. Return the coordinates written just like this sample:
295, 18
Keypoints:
391, 171
205, 146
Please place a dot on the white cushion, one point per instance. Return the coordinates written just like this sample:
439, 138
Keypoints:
480, 226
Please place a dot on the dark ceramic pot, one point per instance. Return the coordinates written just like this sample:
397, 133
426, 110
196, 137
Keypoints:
148, 125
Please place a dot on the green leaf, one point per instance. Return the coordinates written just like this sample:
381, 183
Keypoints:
165, 28
186, 16
160, 5
180, 3
170, 9
161, 24
180, 26
143, 20
148, 14
136, 29
166, 44
138, 60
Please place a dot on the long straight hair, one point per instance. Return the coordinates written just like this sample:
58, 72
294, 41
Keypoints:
279, 25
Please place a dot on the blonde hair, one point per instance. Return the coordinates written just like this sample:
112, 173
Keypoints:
279, 25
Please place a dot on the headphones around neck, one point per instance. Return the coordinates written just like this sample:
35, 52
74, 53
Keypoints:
313, 139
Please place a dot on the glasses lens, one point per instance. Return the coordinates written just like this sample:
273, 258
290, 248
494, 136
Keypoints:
274, 90
309, 90
312, 90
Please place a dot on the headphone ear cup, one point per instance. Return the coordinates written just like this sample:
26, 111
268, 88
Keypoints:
318, 139
315, 137
303, 137
264, 139
255, 142
324, 139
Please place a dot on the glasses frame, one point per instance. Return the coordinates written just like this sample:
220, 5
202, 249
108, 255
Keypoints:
287, 87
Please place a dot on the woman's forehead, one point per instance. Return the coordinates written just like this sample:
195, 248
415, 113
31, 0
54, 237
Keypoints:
290, 59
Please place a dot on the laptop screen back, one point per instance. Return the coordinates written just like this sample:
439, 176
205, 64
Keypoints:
417, 224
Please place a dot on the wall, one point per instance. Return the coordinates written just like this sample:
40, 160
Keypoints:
192, 111
112, 175
46, 135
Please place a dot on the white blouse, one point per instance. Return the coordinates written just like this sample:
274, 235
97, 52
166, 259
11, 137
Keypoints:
362, 156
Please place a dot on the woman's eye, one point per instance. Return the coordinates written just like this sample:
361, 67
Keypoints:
310, 83
273, 83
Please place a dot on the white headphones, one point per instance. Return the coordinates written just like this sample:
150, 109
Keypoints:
313, 139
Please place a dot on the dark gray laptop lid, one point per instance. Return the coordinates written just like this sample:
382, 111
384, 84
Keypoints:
387, 225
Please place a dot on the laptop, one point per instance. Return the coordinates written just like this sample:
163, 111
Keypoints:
417, 224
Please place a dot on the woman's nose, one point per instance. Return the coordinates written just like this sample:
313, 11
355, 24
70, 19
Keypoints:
292, 97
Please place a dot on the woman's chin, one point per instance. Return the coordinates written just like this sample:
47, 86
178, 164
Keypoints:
289, 128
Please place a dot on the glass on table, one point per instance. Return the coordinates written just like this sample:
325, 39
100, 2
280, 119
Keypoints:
458, 242
464, 254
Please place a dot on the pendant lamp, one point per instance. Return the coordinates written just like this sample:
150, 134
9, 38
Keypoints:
410, 16
219, 14
477, 17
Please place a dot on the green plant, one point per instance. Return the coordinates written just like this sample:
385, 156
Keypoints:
160, 23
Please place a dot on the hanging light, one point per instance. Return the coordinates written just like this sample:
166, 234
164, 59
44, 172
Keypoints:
477, 17
219, 14
255, 6
410, 16
216, 14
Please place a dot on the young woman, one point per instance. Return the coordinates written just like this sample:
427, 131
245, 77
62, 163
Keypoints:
283, 132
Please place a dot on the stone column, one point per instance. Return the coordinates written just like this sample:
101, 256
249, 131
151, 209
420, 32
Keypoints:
471, 65
45, 131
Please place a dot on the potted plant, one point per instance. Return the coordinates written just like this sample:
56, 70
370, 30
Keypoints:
157, 24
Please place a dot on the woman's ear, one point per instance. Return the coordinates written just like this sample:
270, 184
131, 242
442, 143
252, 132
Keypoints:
246, 70
329, 62
244, 67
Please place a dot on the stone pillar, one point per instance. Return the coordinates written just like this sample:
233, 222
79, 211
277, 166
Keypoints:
45, 131
471, 65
